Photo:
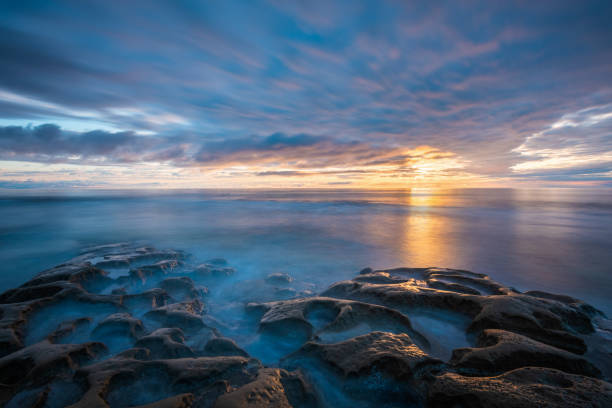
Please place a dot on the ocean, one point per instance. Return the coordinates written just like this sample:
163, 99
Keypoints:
555, 240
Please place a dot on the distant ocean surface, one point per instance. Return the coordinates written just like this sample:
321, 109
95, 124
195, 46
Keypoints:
557, 240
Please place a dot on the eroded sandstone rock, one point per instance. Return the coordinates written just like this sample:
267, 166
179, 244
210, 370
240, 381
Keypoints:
324, 317
120, 324
221, 346
184, 315
544, 319
165, 343
279, 278
378, 368
44, 361
113, 382
142, 337
272, 388
393, 354
524, 387
498, 351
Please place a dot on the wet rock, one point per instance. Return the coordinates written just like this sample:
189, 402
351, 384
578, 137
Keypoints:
165, 266
125, 257
401, 288
112, 382
379, 277
165, 343
34, 292
325, 317
177, 401
145, 273
135, 353
499, 351
546, 320
379, 368
279, 278
10, 341
184, 315
182, 288
586, 308
208, 271
122, 324
13, 318
43, 362
81, 273
299, 390
58, 393
367, 341
67, 328
466, 279
272, 388
150, 299
453, 287
393, 354
222, 346
524, 387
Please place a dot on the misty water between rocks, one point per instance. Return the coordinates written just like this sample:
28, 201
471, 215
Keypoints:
556, 240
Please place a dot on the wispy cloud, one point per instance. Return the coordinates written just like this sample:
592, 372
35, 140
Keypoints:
579, 143
292, 90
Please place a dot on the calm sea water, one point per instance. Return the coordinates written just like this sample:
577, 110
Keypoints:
554, 240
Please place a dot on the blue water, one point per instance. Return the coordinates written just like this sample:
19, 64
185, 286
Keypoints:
553, 240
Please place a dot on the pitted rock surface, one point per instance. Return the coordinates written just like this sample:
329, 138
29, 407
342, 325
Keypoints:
125, 325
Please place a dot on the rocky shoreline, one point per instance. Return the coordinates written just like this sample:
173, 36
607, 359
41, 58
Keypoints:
122, 326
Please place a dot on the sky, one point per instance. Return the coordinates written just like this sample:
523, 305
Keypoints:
292, 94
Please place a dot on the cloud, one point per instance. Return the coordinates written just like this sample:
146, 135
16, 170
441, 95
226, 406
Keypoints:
254, 146
284, 173
300, 155
308, 87
275, 154
578, 144
49, 142
36, 65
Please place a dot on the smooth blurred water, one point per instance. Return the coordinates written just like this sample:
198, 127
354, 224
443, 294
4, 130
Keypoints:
554, 240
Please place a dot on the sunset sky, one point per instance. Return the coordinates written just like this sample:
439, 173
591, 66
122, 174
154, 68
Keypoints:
194, 94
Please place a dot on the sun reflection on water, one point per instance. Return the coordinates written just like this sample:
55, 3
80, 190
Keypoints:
425, 232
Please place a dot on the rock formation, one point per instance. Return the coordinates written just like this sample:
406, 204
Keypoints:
121, 326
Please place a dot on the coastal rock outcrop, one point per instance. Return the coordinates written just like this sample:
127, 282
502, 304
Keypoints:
545, 319
165, 343
330, 319
130, 325
523, 387
272, 388
497, 351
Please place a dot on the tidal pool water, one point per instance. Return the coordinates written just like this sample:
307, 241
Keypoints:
557, 240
